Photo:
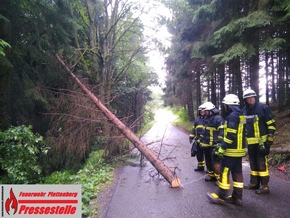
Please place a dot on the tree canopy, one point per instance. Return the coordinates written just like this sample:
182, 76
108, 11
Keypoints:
226, 48
217, 47
102, 43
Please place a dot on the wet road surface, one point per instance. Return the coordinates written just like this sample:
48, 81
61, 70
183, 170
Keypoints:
140, 192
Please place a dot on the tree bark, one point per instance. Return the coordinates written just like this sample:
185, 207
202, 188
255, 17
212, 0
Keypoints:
221, 72
273, 90
254, 69
267, 77
189, 90
198, 88
281, 87
280, 150
170, 176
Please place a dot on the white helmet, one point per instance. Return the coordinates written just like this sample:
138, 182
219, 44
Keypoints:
208, 106
249, 93
231, 99
201, 107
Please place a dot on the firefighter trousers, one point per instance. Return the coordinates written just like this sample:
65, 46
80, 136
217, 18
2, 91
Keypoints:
233, 166
212, 165
200, 157
259, 166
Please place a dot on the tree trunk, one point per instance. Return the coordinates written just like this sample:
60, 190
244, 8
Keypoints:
221, 72
234, 69
280, 150
213, 88
267, 76
254, 71
281, 88
198, 88
170, 176
189, 90
273, 93
287, 69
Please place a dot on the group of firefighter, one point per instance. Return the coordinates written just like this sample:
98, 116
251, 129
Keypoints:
220, 144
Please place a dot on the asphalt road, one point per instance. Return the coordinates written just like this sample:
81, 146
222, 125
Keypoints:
140, 192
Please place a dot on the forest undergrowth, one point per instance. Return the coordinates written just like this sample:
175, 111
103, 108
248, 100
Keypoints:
282, 140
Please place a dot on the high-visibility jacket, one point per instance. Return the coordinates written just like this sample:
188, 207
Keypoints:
213, 131
234, 142
260, 123
197, 128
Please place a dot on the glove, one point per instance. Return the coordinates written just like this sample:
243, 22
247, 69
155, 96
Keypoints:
264, 148
194, 148
220, 152
190, 139
218, 145
270, 139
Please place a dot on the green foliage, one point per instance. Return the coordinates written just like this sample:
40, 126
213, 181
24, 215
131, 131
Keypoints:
279, 159
196, 50
282, 8
92, 176
255, 20
60, 177
236, 28
79, 31
98, 143
182, 118
3, 45
273, 44
145, 128
20, 151
287, 9
236, 51
204, 12
182, 114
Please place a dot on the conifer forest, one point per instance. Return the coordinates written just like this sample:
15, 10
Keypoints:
217, 47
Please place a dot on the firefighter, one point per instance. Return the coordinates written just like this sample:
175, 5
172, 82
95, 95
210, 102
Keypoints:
231, 152
197, 129
211, 136
260, 129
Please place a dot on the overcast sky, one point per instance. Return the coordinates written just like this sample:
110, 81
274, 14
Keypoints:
154, 31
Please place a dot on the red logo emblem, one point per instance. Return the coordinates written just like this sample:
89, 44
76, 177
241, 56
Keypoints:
11, 203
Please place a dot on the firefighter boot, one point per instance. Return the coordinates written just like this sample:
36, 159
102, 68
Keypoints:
209, 178
214, 198
251, 186
233, 200
199, 169
263, 190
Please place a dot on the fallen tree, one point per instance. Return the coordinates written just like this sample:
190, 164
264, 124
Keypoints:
280, 150
170, 176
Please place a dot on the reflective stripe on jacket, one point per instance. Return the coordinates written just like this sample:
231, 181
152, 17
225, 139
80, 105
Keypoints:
213, 131
260, 123
234, 133
197, 128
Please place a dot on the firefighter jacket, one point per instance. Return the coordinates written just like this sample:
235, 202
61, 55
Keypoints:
197, 129
260, 123
212, 133
234, 142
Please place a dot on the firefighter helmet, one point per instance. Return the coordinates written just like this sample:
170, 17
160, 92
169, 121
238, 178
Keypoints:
208, 106
249, 93
231, 99
201, 107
